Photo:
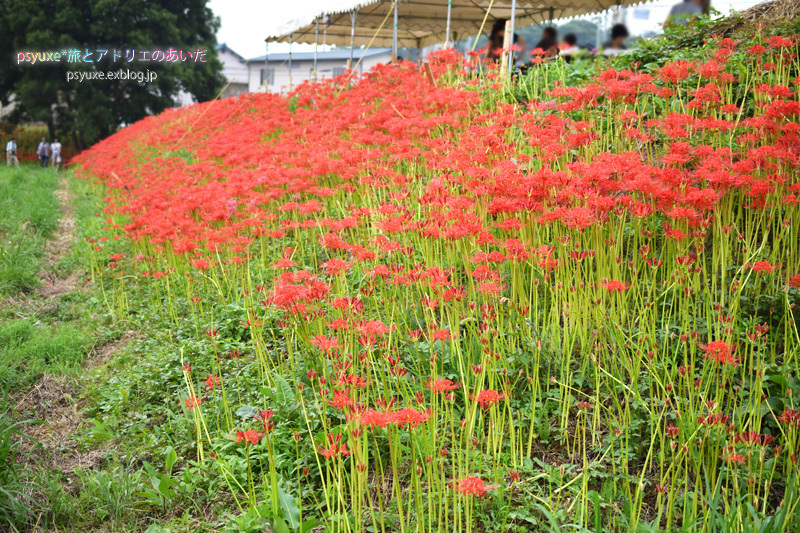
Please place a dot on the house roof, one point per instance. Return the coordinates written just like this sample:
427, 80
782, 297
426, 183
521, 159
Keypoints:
332, 55
221, 47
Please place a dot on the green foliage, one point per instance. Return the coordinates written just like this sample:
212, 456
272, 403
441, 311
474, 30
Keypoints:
28, 349
16, 503
28, 214
95, 108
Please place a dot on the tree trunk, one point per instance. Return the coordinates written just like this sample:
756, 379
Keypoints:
75, 144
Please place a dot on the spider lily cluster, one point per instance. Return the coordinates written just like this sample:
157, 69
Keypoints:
455, 305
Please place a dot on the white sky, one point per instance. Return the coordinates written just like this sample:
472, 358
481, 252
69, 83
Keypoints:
245, 23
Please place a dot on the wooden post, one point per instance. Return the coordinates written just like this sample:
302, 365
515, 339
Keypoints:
506, 46
429, 74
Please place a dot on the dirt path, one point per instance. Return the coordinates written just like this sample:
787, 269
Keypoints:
56, 400
58, 247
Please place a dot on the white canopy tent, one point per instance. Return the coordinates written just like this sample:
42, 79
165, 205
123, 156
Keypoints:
418, 23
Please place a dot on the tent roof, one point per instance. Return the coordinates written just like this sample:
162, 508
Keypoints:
423, 22
331, 55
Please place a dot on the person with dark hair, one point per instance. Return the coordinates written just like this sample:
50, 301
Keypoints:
616, 45
569, 47
494, 48
548, 44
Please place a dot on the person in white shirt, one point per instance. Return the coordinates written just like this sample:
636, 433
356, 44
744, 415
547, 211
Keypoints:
11, 152
55, 156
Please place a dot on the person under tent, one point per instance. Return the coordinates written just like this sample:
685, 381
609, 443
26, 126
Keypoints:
569, 47
681, 14
548, 44
616, 46
494, 47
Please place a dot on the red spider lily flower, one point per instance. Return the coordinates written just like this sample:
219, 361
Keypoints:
341, 399
212, 382
192, 402
325, 344
794, 281
351, 380
715, 419
441, 335
752, 438
735, 458
472, 486
283, 264
720, 352
335, 267
335, 448
201, 264
764, 267
790, 417
373, 418
211, 332
411, 417
248, 437
488, 397
613, 286
440, 385
265, 417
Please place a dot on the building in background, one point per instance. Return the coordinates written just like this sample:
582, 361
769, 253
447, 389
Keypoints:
235, 71
271, 73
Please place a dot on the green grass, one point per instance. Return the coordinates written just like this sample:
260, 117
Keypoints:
38, 335
28, 214
28, 349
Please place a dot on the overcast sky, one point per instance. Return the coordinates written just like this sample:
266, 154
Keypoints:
245, 23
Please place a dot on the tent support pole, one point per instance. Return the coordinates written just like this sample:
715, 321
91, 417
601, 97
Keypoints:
394, 35
291, 38
266, 66
316, 48
352, 36
510, 37
447, 32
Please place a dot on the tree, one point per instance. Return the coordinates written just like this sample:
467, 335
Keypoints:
96, 107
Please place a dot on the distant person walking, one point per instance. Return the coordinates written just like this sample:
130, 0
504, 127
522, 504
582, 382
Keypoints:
682, 13
11, 152
56, 155
43, 151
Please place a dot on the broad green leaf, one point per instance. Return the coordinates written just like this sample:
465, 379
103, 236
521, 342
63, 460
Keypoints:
290, 510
